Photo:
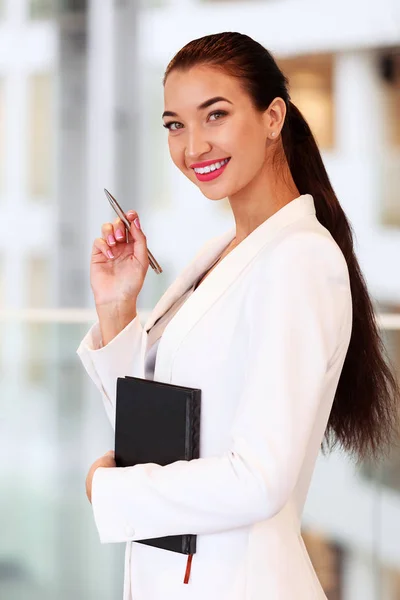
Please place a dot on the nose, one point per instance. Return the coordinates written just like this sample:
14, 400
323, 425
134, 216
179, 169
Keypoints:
196, 145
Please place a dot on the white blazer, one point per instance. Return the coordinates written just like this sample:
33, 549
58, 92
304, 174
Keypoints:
264, 337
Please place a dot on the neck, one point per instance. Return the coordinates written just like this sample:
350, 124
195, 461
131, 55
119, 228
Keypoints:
260, 199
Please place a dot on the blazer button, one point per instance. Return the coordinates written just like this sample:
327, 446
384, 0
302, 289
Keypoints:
129, 530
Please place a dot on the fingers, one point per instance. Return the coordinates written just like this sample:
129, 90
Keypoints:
101, 246
135, 229
113, 232
139, 239
131, 215
116, 232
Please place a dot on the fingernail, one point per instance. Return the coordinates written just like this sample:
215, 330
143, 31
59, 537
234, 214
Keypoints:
130, 213
110, 254
111, 239
119, 235
137, 223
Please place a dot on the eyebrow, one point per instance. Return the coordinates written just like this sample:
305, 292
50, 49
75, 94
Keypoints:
202, 106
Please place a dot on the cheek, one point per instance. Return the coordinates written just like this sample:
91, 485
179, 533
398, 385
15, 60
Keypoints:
250, 146
241, 140
177, 153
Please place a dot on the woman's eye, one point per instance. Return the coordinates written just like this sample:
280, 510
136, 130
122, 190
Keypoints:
170, 124
218, 112
175, 125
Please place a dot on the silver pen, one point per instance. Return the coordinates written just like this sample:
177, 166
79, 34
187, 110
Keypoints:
153, 263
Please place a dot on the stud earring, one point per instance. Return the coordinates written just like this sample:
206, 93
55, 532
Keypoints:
273, 133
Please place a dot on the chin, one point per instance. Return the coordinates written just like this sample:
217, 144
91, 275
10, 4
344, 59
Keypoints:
213, 195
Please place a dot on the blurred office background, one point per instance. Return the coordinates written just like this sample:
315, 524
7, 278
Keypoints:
80, 109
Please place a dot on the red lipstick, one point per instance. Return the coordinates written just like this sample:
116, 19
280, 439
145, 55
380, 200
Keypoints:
205, 163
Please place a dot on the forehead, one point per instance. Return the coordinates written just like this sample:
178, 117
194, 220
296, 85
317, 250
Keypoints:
185, 90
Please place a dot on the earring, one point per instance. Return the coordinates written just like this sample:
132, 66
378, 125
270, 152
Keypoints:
273, 133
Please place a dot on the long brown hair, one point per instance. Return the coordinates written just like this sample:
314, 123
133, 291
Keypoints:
363, 419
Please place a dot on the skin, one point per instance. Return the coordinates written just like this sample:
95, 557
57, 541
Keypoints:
106, 461
254, 186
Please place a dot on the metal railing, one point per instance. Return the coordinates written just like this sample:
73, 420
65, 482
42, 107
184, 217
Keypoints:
386, 321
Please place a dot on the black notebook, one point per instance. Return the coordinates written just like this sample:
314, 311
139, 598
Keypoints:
159, 423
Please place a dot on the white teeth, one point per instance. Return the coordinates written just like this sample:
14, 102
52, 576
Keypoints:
212, 167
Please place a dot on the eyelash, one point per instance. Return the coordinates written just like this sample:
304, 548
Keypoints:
216, 112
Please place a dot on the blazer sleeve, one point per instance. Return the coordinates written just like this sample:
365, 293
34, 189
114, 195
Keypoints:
295, 309
121, 356
104, 364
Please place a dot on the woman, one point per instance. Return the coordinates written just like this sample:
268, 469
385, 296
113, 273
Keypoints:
272, 320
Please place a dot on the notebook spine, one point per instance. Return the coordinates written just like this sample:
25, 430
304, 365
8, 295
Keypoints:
189, 543
196, 425
189, 540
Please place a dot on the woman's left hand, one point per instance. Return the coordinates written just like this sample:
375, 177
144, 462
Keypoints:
107, 460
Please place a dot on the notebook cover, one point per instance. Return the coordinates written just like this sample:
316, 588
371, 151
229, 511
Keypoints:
157, 422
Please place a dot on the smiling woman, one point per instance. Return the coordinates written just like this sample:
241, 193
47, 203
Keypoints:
262, 321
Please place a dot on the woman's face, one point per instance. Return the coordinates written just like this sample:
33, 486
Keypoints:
204, 131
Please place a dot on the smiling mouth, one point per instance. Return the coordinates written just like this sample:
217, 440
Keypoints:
211, 171
212, 167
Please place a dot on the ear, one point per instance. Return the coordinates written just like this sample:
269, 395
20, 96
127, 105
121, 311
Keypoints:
274, 116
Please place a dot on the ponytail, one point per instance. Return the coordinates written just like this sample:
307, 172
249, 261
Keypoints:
364, 413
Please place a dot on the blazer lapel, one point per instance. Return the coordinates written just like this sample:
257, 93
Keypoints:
198, 265
225, 273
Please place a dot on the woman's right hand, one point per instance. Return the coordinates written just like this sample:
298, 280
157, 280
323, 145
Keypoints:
116, 282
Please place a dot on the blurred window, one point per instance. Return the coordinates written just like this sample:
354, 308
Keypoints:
390, 71
72, 5
47, 9
153, 3
390, 68
2, 282
37, 334
37, 342
311, 90
326, 557
41, 135
38, 281
156, 191
42, 9
2, 136
389, 467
